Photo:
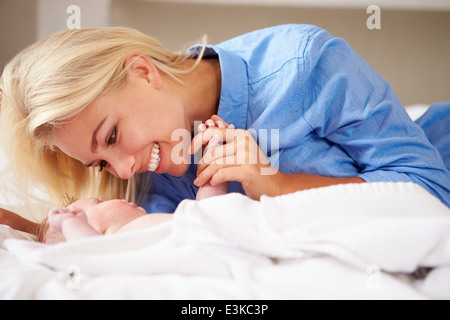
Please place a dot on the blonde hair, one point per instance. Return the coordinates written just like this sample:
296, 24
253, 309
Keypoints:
52, 81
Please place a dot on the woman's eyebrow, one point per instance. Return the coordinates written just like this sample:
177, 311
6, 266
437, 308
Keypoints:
94, 143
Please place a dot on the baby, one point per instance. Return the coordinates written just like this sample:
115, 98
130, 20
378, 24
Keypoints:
91, 217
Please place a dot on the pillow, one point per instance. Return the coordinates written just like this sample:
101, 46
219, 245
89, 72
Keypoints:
415, 111
7, 232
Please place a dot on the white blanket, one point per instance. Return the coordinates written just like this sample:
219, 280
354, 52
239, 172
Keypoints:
348, 241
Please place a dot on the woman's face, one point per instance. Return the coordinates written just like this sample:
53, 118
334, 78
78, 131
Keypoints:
122, 130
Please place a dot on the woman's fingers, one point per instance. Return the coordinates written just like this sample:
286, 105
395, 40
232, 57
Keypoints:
240, 147
214, 170
221, 150
239, 158
204, 137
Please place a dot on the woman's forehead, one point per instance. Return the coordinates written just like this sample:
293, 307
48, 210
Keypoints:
74, 137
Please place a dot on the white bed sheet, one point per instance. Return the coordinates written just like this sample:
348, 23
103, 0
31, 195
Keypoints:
340, 242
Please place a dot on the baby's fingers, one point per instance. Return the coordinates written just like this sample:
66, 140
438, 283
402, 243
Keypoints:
220, 122
204, 137
216, 123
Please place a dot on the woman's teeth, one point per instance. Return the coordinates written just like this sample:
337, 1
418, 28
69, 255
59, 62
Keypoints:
155, 158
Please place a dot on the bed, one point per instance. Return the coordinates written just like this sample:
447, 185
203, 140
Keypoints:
357, 241
369, 241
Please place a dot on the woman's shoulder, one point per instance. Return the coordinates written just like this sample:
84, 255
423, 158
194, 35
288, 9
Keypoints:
266, 51
277, 38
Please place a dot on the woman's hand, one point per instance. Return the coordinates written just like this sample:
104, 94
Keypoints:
238, 159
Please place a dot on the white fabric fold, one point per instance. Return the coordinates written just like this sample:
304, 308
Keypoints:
307, 244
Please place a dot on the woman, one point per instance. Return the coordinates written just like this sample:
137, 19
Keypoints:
113, 98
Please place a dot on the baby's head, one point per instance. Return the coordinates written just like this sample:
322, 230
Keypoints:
105, 217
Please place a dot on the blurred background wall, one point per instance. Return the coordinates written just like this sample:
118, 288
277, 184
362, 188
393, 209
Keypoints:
411, 50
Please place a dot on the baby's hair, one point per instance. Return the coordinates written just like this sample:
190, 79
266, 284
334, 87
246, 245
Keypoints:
67, 200
42, 228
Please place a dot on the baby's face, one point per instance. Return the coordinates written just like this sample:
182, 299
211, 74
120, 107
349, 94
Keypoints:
105, 217
108, 216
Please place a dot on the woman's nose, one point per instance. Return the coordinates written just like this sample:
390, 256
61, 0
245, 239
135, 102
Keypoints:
123, 167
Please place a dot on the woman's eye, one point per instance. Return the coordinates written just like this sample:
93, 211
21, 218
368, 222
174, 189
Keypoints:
102, 164
111, 140
112, 137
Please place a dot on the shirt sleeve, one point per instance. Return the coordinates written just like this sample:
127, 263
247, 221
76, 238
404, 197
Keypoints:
346, 102
166, 192
435, 122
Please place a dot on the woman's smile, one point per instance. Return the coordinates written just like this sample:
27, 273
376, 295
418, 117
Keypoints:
154, 159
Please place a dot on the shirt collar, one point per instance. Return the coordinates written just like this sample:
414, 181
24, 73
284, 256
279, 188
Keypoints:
233, 105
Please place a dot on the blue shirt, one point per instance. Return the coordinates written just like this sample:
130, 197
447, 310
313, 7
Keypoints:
436, 125
334, 115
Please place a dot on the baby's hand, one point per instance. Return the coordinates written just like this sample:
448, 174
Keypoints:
57, 216
215, 121
198, 142
207, 190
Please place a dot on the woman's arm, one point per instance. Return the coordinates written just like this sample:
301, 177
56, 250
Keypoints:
17, 222
288, 183
344, 102
240, 159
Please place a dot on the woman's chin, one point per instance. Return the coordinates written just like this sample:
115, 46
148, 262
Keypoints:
178, 170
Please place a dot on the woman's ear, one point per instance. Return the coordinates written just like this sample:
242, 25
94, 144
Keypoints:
140, 66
